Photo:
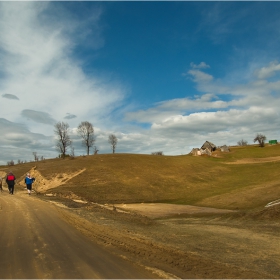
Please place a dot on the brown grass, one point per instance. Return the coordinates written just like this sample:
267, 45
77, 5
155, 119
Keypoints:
201, 181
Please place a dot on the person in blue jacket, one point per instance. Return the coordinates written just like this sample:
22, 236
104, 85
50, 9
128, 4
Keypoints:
29, 181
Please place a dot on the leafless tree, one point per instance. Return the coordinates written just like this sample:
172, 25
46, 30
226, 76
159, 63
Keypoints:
10, 163
95, 150
36, 158
113, 140
86, 131
72, 153
159, 153
261, 139
242, 143
64, 141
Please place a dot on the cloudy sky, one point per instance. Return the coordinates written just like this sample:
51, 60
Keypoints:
161, 76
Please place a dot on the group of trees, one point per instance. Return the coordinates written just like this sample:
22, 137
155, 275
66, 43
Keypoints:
36, 158
260, 138
85, 131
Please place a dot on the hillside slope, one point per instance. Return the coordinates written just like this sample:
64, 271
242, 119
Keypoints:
131, 178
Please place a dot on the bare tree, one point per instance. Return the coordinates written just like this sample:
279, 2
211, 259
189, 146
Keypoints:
159, 153
242, 143
261, 139
113, 140
72, 153
11, 163
95, 150
36, 158
64, 141
86, 131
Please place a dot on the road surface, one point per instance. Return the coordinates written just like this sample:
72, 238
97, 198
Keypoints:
36, 243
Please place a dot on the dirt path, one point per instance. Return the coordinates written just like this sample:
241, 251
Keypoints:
202, 247
51, 240
254, 160
36, 243
159, 210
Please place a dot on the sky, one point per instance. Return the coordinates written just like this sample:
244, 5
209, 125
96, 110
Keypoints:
162, 76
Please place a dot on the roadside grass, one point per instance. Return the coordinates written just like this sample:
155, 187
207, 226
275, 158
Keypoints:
186, 179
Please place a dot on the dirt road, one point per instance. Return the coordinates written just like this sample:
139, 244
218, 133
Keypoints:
56, 237
36, 243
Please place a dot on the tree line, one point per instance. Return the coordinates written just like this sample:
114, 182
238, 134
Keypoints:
85, 131
64, 143
260, 138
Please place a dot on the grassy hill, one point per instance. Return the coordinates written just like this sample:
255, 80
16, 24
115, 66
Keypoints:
203, 181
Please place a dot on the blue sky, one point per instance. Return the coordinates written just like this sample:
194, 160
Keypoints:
161, 76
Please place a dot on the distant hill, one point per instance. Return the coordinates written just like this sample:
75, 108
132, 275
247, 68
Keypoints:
195, 180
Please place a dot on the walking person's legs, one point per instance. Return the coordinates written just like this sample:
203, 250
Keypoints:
28, 189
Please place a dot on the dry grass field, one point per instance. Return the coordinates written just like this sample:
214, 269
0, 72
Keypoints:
149, 208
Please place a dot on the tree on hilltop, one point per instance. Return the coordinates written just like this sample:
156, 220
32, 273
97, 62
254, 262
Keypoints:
113, 140
63, 141
242, 143
86, 131
261, 139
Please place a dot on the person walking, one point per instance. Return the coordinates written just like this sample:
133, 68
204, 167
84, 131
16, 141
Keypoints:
29, 181
10, 180
1, 189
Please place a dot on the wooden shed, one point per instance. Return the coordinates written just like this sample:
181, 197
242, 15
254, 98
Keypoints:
206, 151
225, 148
210, 146
196, 152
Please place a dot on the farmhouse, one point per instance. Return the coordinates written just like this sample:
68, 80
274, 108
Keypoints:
207, 148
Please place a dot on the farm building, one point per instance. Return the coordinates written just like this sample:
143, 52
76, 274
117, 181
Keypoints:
196, 152
206, 152
225, 148
207, 149
208, 145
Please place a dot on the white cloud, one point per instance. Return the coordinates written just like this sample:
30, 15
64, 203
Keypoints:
228, 114
200, 77
165, 109
39, 117
70, 116
42, 82
17, 142
201, 65
269, 71
41, 71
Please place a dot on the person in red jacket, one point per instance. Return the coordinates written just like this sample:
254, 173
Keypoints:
10, 180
